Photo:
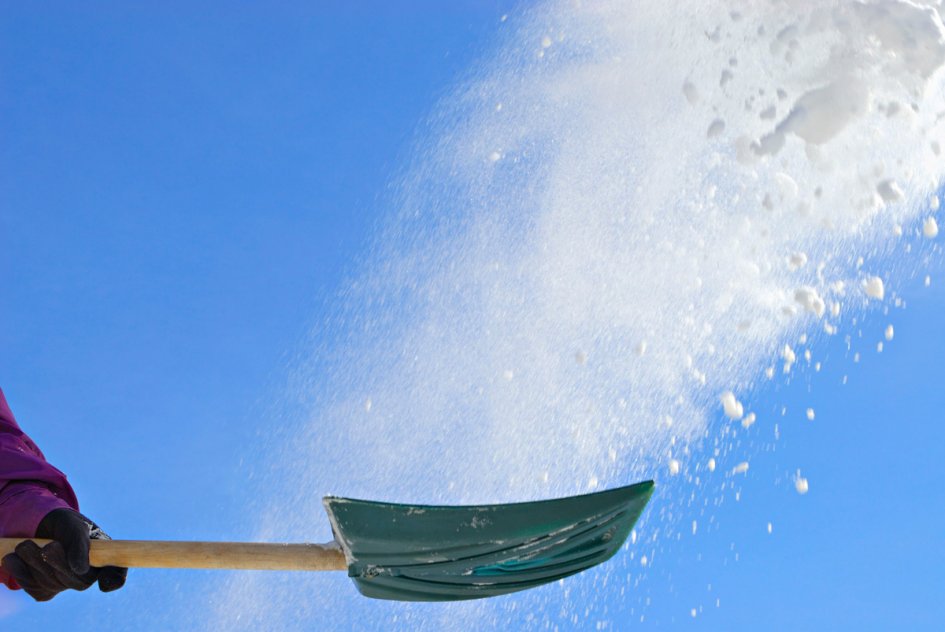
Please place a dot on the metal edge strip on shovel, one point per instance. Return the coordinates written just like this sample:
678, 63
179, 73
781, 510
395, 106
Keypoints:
421, 552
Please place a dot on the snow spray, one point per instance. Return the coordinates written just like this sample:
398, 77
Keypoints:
608, 239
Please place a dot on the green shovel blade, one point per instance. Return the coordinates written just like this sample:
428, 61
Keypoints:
442, 553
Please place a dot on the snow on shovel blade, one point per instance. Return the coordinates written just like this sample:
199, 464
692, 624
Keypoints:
443, 553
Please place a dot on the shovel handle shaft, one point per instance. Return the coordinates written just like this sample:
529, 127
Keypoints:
218, 555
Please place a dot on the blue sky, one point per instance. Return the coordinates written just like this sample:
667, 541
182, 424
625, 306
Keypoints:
182, 192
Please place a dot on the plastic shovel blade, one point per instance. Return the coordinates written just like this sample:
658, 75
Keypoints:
443, 553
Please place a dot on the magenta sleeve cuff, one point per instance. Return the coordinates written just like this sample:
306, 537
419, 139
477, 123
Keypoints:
24, 505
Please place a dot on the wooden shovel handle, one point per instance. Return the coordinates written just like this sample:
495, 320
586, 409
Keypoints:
222, 555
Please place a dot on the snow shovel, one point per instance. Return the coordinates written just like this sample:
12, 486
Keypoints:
422, 552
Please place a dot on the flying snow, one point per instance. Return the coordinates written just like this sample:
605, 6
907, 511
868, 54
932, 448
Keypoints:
634, 185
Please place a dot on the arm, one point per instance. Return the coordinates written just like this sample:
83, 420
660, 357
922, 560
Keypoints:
29, 486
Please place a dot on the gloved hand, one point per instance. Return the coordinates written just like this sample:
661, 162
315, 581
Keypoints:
64, 563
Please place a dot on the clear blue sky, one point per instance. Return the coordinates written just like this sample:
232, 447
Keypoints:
182, 190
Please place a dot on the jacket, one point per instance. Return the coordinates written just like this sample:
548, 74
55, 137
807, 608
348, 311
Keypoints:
29, 486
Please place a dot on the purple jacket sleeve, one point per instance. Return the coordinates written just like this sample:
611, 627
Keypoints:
29, 486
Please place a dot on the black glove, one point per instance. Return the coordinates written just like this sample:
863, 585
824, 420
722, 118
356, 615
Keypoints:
64, 563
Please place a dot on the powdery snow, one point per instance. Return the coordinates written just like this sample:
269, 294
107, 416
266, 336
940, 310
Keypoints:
590, 211
874, 288
716, 128
797, 260
787, 353
810, 300
930, 228
732, 407
889, 191
800, 484
748, 420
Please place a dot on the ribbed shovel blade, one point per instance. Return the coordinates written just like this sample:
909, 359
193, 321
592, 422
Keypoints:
442, 553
